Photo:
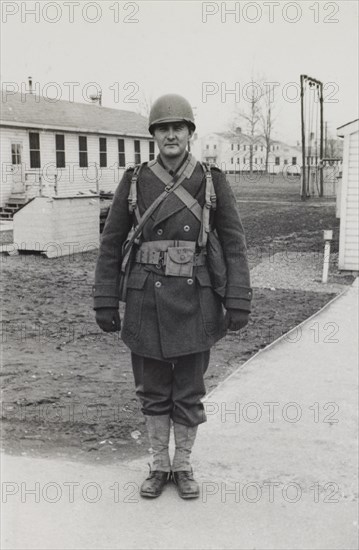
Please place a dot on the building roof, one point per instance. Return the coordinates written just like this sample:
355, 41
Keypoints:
229, 135
33, 111
348, 128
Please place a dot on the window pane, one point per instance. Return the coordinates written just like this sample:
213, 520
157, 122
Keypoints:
103, 160
60, 142
103, 144
60, 159
121, 159
34, 159
137, 146
83, 160
34, 140
121, 145
83, 143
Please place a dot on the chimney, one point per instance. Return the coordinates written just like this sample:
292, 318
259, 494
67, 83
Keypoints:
30, 84
96, 98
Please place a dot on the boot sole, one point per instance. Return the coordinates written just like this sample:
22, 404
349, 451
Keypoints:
188, 497
148, 495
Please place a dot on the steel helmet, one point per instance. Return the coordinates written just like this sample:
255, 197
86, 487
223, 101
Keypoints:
171, 108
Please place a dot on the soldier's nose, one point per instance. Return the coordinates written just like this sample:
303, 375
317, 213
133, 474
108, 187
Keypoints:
171, 133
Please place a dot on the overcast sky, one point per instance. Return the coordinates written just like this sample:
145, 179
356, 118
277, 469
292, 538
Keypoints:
190, 48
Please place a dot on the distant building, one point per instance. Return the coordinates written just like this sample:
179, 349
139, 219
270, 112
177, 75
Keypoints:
61, 148
230, 151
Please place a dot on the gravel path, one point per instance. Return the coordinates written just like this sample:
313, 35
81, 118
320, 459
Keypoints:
298, 270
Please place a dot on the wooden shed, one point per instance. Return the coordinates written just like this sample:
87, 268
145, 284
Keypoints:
349, 202
58, 226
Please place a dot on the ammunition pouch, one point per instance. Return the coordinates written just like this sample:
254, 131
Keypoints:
179, 261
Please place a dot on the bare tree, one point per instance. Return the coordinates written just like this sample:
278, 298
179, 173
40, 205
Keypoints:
252, 116
267, 118
144, 105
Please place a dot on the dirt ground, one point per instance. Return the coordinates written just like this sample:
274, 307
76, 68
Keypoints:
68, 387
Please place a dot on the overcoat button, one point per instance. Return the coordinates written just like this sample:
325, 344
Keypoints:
158, 284
159, 231
190, 281
186, 228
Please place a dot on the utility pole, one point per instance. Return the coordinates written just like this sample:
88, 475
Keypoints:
326, 141
304, 79
321, 183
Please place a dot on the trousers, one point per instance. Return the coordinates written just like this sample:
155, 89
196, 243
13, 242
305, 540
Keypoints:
172, 387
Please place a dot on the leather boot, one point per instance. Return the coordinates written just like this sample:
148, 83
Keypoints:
158, 428
182, 471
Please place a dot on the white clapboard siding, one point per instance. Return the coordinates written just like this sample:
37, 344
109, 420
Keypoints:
72, 179
349, 207
58, 226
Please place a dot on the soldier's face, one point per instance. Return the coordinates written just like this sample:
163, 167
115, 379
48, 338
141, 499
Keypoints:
172, 138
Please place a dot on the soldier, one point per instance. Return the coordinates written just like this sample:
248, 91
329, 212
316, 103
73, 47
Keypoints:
173, 314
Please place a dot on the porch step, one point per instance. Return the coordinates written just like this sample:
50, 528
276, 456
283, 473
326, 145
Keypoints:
13, 204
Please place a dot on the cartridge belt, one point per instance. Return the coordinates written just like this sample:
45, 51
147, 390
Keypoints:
179, 257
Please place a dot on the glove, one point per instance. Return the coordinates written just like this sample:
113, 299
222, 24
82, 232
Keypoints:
108, 319
236, 319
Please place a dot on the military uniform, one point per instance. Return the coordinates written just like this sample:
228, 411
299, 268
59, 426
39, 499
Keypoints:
172, 321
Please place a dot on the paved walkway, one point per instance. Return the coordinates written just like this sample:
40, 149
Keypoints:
277, 463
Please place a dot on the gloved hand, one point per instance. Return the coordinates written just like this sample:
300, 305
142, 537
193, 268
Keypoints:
236, 319
108, 319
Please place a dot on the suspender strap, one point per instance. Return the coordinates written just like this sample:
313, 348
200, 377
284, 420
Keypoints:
210, 203
202, 214
132, 197
137, 231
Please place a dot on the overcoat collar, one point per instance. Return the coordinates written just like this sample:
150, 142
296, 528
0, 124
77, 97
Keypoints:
172, 204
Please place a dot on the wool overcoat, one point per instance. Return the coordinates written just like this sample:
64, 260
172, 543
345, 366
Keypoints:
171, 316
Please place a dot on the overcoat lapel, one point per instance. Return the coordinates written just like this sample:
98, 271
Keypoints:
172, 204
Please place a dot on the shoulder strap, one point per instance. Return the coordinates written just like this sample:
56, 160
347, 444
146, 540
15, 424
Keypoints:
210, 203
132, 196
168, 190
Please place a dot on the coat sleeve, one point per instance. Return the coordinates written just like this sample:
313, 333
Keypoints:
231, 235
117, 227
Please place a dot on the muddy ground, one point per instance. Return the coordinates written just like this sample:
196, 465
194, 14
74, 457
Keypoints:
68, 387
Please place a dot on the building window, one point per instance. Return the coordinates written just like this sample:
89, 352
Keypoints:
256, 147
121, 153
232, 160
214, 146
16, 153
35, 161
103, 152
232, 146
137, 151
277, 161
60, 150
152, 150
237, 160
83, 162
238, 146
255, 161
294, 160
244, 147
261, 147
285, 161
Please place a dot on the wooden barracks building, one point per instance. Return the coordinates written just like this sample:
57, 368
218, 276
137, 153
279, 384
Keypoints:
65, 149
